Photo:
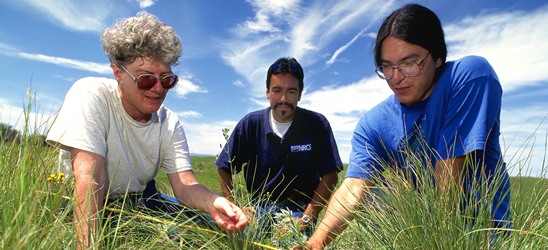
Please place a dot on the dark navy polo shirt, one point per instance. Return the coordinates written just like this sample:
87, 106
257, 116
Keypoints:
288, 167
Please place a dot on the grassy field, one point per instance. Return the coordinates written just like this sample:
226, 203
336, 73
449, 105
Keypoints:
35, 215
206, 173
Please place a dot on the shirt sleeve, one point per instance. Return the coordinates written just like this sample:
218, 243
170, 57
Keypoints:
365, 155
329, 154
472, 111
82, 121
177, 155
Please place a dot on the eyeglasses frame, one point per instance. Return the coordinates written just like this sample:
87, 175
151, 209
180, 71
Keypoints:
136, 80
398, 67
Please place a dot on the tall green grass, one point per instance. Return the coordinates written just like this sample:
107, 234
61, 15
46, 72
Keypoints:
35, 215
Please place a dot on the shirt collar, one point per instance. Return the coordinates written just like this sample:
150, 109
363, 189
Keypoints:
266, 122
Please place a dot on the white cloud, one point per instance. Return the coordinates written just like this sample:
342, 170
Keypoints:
260, 24
38, 120
267, 15
74, 15
275, 7
186, 86
524, 137
251, 60
6, 48
188, 114
371, 35
355, 98
304, 32
206, 138
68, 79
69, 63
143, 4
343, 106
260, 102
238, 83
514, 43
344, 47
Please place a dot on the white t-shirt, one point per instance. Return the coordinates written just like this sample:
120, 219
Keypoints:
279, 128
93, 119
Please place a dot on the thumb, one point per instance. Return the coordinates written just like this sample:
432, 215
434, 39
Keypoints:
225, 206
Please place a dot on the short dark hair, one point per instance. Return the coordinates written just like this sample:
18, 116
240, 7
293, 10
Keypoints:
414, 24
286, 65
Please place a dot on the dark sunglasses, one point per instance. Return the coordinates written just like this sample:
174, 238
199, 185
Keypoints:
290, 66
147, 81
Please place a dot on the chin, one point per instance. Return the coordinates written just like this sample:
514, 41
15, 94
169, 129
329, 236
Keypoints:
151, 110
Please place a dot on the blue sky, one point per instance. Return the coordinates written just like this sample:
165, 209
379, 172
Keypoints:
228, 46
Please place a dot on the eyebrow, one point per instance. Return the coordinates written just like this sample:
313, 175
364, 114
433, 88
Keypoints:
405, 58
280, 87
140, 72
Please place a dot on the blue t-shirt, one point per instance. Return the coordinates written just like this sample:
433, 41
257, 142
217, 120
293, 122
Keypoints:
288, 167
460, 116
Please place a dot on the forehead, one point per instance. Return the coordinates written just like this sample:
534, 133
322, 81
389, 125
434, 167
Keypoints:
148, 64
284, 80
395, 50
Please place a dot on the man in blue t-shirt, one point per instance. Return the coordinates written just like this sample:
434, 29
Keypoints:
288, 154
443, 115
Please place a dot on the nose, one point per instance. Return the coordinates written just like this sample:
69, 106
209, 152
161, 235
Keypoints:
283, 97
157, 87
397, 77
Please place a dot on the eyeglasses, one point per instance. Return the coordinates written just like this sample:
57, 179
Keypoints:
409, 68
147, 81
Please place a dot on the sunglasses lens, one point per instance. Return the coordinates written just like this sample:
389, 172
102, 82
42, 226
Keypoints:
170, 81
146, 82
278, 65
294, 68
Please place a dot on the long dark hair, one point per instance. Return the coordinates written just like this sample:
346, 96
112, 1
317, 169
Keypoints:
414, 24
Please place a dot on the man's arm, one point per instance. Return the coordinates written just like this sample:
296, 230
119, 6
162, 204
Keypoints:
191, 193
338, 214
322, 194
225, 180
448, 173
90, 178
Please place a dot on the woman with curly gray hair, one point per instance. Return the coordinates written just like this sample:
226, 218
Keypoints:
118, 134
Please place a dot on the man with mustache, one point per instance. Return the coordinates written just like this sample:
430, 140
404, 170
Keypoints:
288, 154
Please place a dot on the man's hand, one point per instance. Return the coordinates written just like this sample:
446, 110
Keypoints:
309, 246
229, 216
250, 211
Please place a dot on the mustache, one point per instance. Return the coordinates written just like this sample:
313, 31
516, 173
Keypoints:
284, 103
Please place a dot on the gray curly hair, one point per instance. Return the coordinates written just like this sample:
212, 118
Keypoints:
141, 36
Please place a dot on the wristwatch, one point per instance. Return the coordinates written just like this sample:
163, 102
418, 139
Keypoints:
305, 218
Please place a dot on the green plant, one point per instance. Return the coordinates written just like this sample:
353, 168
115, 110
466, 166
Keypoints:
287, 230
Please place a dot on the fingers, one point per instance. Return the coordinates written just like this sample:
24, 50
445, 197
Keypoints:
240, 218
229, 217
